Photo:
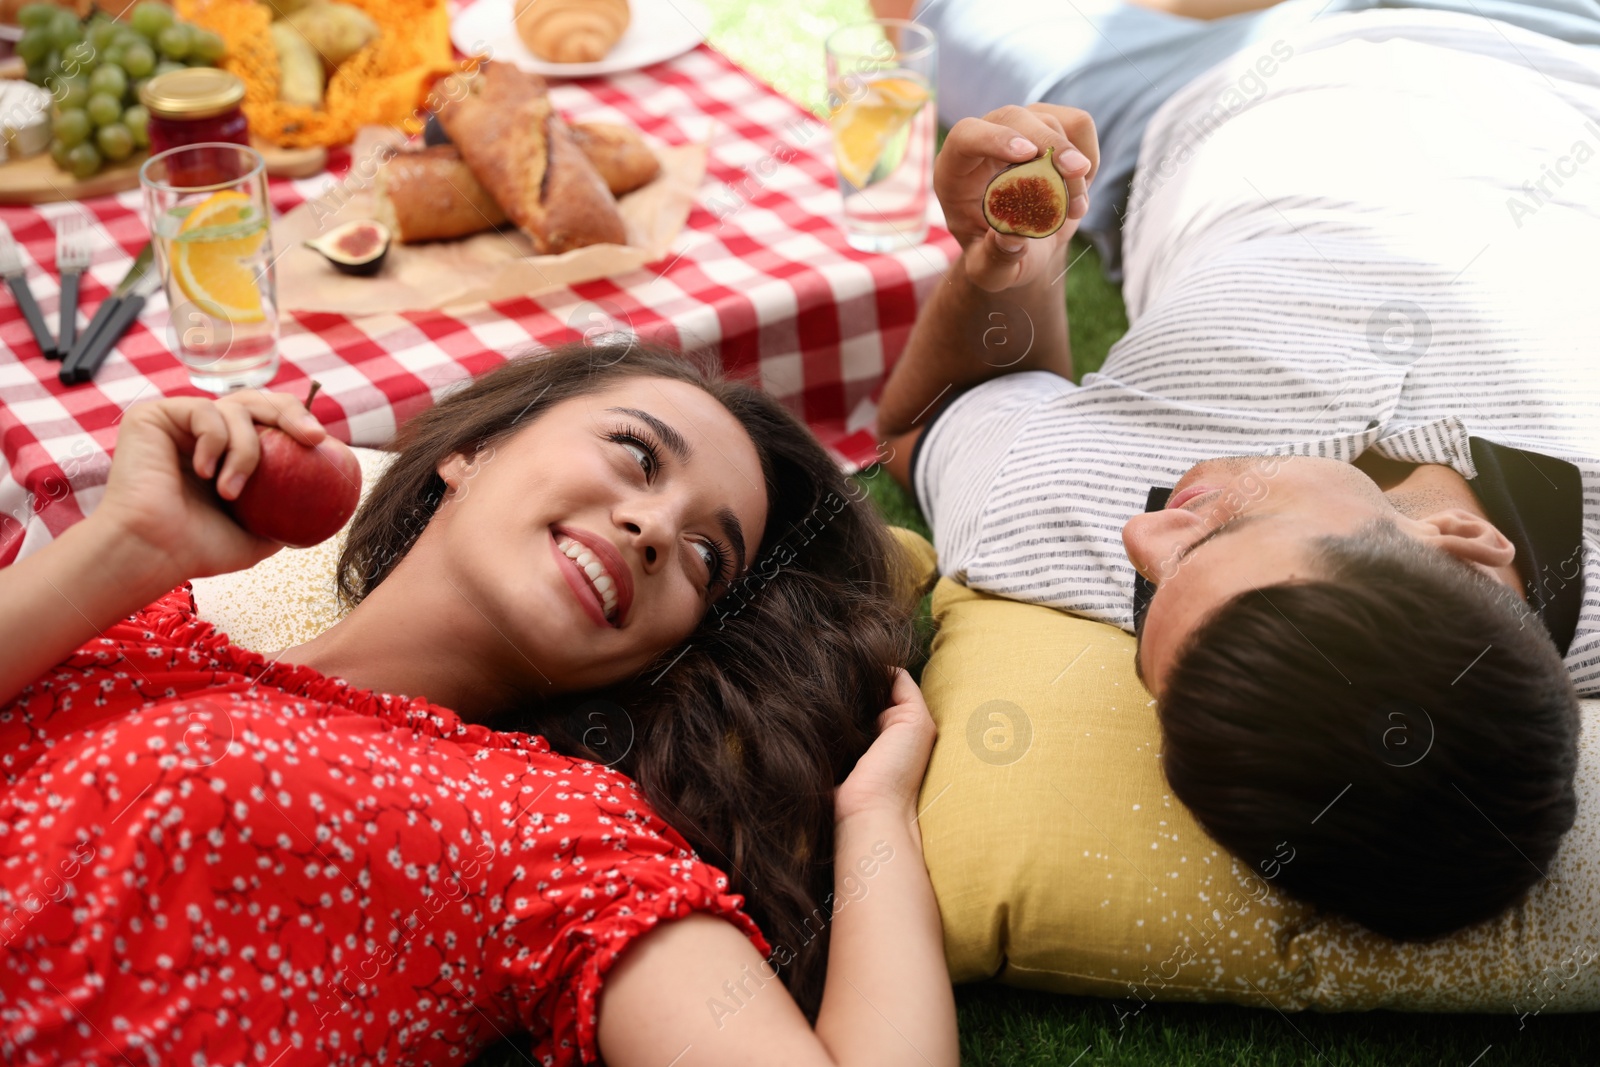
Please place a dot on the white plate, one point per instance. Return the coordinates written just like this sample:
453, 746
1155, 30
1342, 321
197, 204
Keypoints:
658, 30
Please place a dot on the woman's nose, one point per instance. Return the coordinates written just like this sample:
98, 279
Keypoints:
1155, 539
649, 528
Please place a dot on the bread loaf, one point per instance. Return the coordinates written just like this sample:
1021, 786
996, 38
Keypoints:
431, 195
521, 151
571, 31
618, 153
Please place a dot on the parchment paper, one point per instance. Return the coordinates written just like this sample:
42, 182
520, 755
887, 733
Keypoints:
494, 265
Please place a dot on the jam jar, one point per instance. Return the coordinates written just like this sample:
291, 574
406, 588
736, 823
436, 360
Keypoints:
194, 106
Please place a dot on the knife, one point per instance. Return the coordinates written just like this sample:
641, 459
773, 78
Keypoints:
108, 307
128, 308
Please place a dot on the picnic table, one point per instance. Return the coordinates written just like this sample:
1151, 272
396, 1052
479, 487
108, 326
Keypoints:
761, 275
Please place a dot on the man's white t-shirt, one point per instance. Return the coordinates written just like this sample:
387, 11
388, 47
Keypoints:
1395, 245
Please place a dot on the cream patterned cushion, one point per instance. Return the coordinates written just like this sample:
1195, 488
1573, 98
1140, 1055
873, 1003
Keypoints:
288, 598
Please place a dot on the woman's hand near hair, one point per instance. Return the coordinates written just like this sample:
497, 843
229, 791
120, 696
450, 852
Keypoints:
695, 993
158, 524
888, 777
887, 998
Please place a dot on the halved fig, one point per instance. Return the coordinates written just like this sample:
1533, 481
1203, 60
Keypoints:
355, 247
1027, 199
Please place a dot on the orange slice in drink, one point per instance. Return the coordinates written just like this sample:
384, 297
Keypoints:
863, 127
212, 267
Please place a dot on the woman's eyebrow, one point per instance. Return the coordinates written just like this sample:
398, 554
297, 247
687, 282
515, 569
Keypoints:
669, 436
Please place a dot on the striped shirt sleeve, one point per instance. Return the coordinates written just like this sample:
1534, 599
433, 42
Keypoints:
961, 452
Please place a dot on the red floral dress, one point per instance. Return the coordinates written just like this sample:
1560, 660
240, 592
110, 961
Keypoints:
207, 858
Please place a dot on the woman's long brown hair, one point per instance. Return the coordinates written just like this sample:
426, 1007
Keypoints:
739, 736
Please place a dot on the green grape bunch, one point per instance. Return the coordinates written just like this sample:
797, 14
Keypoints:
94, 68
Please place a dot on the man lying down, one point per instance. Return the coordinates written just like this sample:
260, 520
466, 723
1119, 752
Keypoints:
1342, 474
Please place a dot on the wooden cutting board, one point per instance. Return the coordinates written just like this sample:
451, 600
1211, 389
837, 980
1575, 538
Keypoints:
37, 179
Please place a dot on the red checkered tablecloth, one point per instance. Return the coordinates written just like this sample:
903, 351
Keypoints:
760, 274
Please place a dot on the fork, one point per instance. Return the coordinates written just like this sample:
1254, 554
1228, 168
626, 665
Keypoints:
74, 247
17, 278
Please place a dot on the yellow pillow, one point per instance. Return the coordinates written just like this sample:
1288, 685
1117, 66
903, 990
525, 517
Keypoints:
1061, 860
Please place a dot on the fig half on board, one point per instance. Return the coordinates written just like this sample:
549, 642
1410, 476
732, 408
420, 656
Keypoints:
1027, 199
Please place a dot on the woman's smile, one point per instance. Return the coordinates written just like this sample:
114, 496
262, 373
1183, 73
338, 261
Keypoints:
595, 572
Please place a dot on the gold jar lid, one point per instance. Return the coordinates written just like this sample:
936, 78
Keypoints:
192, 93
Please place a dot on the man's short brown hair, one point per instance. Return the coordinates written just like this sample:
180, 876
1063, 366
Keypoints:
1403, 723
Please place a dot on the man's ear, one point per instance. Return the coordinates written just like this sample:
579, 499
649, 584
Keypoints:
1467, 537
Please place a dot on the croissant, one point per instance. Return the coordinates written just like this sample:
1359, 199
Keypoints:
571, 31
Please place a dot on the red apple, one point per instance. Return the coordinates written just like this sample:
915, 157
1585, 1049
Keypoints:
297, 494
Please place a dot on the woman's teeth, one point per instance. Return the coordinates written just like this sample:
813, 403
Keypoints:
590, 566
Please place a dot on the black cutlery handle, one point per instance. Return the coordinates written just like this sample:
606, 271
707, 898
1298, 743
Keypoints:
69, 315
102, 314
30, 311
107, 338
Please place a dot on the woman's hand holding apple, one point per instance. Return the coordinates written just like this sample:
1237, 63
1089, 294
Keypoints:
176, 457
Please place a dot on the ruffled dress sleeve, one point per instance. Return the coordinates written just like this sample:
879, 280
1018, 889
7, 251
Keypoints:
624, 872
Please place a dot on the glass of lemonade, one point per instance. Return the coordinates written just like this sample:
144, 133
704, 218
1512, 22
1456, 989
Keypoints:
209, 218
881, 78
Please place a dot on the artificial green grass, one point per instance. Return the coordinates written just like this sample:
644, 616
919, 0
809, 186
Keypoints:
1003, 1027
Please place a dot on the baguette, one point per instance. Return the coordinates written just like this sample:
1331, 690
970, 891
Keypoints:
618, 153
521, 151
431, 195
